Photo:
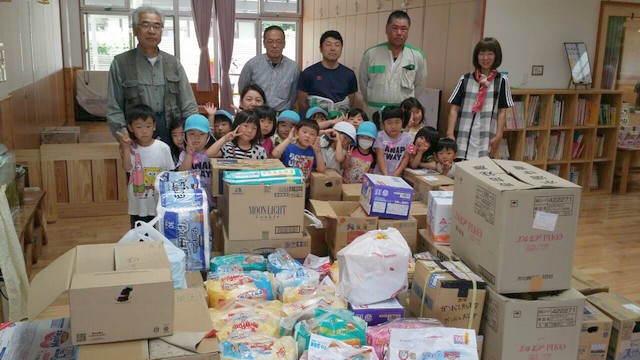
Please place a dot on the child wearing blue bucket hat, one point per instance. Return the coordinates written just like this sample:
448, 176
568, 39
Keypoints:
197, 133
360, 160
287, 120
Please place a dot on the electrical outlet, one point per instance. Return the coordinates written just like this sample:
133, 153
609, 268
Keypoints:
523, 79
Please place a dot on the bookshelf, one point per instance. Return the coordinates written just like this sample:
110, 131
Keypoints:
571, 133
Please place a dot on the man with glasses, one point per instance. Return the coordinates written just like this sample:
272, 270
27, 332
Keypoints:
394, 70
147, 75
275, 73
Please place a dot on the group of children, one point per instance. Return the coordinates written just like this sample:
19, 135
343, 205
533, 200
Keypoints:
347, 143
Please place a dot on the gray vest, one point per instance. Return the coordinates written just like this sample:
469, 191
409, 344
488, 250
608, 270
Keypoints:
127, 62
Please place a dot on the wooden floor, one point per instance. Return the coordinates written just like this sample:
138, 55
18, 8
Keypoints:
608, 242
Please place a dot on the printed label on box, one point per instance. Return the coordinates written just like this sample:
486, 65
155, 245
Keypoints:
485, 205
433, 280
554, 317
560, 204
545, 221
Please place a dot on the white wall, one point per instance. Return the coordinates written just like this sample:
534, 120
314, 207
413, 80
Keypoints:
71, 33
534, 32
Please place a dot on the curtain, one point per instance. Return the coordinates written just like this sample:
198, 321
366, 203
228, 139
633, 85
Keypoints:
201, 10
226, 18
612, 51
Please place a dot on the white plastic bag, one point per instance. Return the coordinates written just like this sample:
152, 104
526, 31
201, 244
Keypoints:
433, 343
146, 232
374, 267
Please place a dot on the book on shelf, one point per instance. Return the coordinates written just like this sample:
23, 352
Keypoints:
556, 145
578, 145
558, 112
554, 169
503, 151
599, 145
574, 174
531, 146
586, 110
604, 117
593, 180
534, 111
515, 116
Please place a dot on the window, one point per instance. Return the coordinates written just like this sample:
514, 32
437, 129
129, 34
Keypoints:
108, 32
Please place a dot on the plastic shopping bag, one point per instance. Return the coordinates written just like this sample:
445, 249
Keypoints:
177, 258
374, 267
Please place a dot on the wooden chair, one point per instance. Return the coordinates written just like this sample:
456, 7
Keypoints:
203, 97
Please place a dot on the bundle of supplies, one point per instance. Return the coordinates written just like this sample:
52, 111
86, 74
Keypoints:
225, 287
184, 212
339, 324
290, 282
246, 262
324, 348
264, 177
373, 267
433, 343
248, 318
378, 336
257, 346
280, 260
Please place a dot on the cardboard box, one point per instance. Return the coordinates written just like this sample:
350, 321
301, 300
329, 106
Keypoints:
432, 182
444, 290
191, 323
219, 166
439, 215
351, 192
60, 135
265, 212
380, 312
419, 211
216, 230
386, 196
625, 337
595, 334
43, 339
116, 292
515, 225
318, 236
325, 186
439, 251
544, 328
342, 226
408, 228
411, 175
586, 283
298, 248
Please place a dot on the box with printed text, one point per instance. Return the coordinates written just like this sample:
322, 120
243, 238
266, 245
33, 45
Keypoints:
515, 225
386, 196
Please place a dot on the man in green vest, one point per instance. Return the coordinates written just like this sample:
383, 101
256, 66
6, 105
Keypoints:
147, 75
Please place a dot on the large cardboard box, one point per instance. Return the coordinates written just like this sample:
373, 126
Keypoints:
445, 291
386, 196
625, 336
264, 212
325, 186
515, 225
298, 248
544, 328
116, 292
219, 166
595, 334
344, 224
60, 135
586, 283
439, 251
432, 182
439, 215
351, 192
408, 228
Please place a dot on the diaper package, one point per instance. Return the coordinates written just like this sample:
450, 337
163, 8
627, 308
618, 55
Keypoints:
379, 336
184, 215
438, 343
247, 346
247, 262
338, 324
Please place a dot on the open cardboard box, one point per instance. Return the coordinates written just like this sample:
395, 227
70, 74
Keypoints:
219, 166
117, 292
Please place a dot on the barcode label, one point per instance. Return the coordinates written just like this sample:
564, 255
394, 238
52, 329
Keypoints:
287, 229
82, 337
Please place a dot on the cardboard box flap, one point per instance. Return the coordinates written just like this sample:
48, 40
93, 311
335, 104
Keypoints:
139, 256
124, 350
50, 283
571, 294
533, 175
95, 258
322, 209
617, 307
117, 278
489, 173
435, 179
347, 208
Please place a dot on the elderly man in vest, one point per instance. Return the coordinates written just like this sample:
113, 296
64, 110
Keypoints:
147, 75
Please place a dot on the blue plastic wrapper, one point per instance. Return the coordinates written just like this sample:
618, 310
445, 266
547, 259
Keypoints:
246, 262
280, 260
177, 181
185, 228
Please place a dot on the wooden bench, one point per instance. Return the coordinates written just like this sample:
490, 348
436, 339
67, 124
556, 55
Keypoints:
31, 226
625, 155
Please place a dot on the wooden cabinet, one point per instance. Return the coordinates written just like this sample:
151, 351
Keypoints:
571, 133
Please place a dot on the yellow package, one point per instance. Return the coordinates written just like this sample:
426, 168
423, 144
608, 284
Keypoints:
224, 288
247, 319
256, 346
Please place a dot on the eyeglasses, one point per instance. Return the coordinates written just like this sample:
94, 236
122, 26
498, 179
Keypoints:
274, 42
147, 25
